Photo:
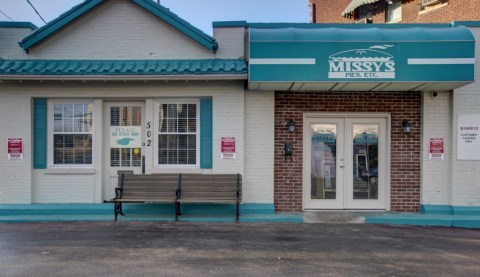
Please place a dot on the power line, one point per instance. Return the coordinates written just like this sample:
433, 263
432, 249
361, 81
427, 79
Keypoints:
6, 15
36, 11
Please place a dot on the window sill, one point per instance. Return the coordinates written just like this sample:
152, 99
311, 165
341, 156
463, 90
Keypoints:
432, 8
394, 21
182, 170
70, 171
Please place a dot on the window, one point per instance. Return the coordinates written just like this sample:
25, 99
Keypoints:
72, 133
394, 11
178, 138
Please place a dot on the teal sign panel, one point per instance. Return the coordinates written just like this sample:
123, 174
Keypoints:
405, 55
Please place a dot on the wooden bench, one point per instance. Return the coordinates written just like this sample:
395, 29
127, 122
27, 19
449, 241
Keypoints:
211, 189
152, 188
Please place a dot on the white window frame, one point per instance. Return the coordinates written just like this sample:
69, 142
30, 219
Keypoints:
50, 133
156, 111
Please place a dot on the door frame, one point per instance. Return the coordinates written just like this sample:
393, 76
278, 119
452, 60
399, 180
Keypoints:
307, 154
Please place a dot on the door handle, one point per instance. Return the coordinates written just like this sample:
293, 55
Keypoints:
341, 165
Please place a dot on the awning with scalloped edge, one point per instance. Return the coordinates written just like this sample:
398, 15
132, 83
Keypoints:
355, 4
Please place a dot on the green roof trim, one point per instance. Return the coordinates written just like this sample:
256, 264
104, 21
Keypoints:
121, 67
223, 24
19, 24
157, 10
344, 25
466, 23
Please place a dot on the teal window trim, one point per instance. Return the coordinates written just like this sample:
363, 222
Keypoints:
40, 119
206, 133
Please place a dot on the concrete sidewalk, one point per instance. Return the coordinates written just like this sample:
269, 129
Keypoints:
229, 249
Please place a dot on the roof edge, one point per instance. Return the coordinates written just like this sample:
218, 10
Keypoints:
150, 6
178, 23
58, 23
226, 24
18, 24
466, 23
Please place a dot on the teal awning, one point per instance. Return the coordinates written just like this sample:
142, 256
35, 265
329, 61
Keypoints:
69, 68
355, 4
370, 57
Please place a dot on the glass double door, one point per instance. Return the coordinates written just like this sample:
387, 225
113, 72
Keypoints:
345, 163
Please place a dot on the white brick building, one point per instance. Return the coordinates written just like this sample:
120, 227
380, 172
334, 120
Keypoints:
71, 87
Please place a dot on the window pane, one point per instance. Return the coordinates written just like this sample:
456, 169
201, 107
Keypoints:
136, 157
58, 118
192, 146
58, 149
114, 157
78, 120
136, 116
125, 157
115, 116
192, 118
68, 118
88, 108
177, 141
72, 149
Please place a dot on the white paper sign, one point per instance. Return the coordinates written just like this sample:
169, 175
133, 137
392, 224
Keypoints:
125, 137
468, 137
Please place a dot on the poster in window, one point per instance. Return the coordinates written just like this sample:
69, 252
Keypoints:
125, 137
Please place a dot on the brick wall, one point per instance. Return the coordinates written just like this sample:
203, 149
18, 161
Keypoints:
405, 149
330, 11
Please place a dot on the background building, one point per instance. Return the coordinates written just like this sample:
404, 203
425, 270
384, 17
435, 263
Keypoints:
393, 11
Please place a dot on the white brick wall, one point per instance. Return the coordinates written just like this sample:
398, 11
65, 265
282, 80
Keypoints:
15, 176
119, 29
50, 186
62, 188
231, 41
436, 175
258, 182
466, 174
9, 38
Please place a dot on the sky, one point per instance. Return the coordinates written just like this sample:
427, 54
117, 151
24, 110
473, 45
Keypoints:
200, 13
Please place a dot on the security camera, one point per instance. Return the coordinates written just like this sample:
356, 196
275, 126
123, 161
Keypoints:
434, 94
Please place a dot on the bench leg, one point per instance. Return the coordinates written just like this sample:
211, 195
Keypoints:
177, 210
237, 220
115, 210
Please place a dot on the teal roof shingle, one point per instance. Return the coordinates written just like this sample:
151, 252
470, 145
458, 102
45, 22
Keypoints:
122, 67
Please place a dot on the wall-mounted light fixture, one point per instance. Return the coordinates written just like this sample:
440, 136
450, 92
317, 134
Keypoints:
291, 125
407, 126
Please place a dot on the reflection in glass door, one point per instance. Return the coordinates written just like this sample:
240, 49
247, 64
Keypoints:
324, 148
365, 161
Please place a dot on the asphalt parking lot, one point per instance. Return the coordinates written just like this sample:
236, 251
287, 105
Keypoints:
228, 249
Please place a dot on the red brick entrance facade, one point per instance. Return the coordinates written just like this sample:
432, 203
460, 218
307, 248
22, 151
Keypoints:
405, 149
